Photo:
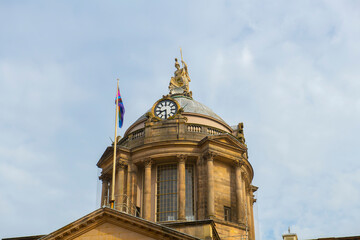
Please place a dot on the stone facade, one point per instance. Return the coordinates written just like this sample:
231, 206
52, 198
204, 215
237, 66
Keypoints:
112, 232
222, 173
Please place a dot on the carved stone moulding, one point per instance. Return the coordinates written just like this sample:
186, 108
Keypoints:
182, 157
121, 164
105, 177
245, 176
148, 162
209, 155
238, 162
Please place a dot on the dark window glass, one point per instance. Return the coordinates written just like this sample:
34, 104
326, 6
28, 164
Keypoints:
167, 192
189, 182
227, 213
137, 214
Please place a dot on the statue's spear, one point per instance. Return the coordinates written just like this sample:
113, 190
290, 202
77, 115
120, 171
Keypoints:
181, 57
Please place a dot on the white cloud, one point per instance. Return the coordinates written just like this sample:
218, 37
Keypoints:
289, 70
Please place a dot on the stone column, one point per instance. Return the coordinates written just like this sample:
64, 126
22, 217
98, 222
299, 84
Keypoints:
128, 188
252, 201
104, 191
110, 189
199, 186
147, 190
133, 195
240, 206
245, 200
210, 174
181, 197
249, 212
119, 186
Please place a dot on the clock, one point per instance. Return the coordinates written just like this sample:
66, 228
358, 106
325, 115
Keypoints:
165, 108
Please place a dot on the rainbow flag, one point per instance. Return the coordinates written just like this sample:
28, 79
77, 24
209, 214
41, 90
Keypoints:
121, 108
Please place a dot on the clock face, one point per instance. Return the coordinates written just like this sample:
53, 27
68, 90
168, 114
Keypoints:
165, 109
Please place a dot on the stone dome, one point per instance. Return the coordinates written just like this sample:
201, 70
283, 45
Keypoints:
196, 113
190, 106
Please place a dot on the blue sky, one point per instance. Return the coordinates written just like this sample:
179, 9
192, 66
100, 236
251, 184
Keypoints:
288, 69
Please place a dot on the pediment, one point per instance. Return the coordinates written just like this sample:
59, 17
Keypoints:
108, 230
107, 223
225, 139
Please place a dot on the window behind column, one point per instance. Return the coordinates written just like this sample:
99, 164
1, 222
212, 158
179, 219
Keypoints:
227, 213
167, 192
189, 183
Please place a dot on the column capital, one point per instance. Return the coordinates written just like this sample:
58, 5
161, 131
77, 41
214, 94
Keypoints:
148, 162
121, 164
246, 178
244, 155
239, 162
131, 167
249, 189
199, 160
209, 155
104, 178
182, 157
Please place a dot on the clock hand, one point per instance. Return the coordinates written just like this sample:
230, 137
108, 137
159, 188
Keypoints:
161, 113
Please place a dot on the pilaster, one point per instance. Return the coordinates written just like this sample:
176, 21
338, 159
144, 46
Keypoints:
240, 197
128, 188
209, 156
182, 191
147, 189
104, 190
119, 186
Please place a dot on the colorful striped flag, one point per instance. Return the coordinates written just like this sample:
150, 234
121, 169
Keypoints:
121, 108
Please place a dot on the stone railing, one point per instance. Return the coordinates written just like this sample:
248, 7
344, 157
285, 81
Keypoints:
196, 128
137, 134
137, 137
214, 131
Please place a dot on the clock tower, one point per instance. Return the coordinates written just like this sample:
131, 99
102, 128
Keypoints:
182, 166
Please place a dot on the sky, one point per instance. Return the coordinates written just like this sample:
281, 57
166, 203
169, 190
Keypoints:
288, 69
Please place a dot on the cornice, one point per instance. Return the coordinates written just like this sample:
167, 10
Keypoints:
216, 138
109, 154
159, 144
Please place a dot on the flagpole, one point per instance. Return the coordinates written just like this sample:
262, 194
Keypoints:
112, 201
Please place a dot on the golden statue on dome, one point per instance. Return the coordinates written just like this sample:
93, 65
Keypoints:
180, 82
